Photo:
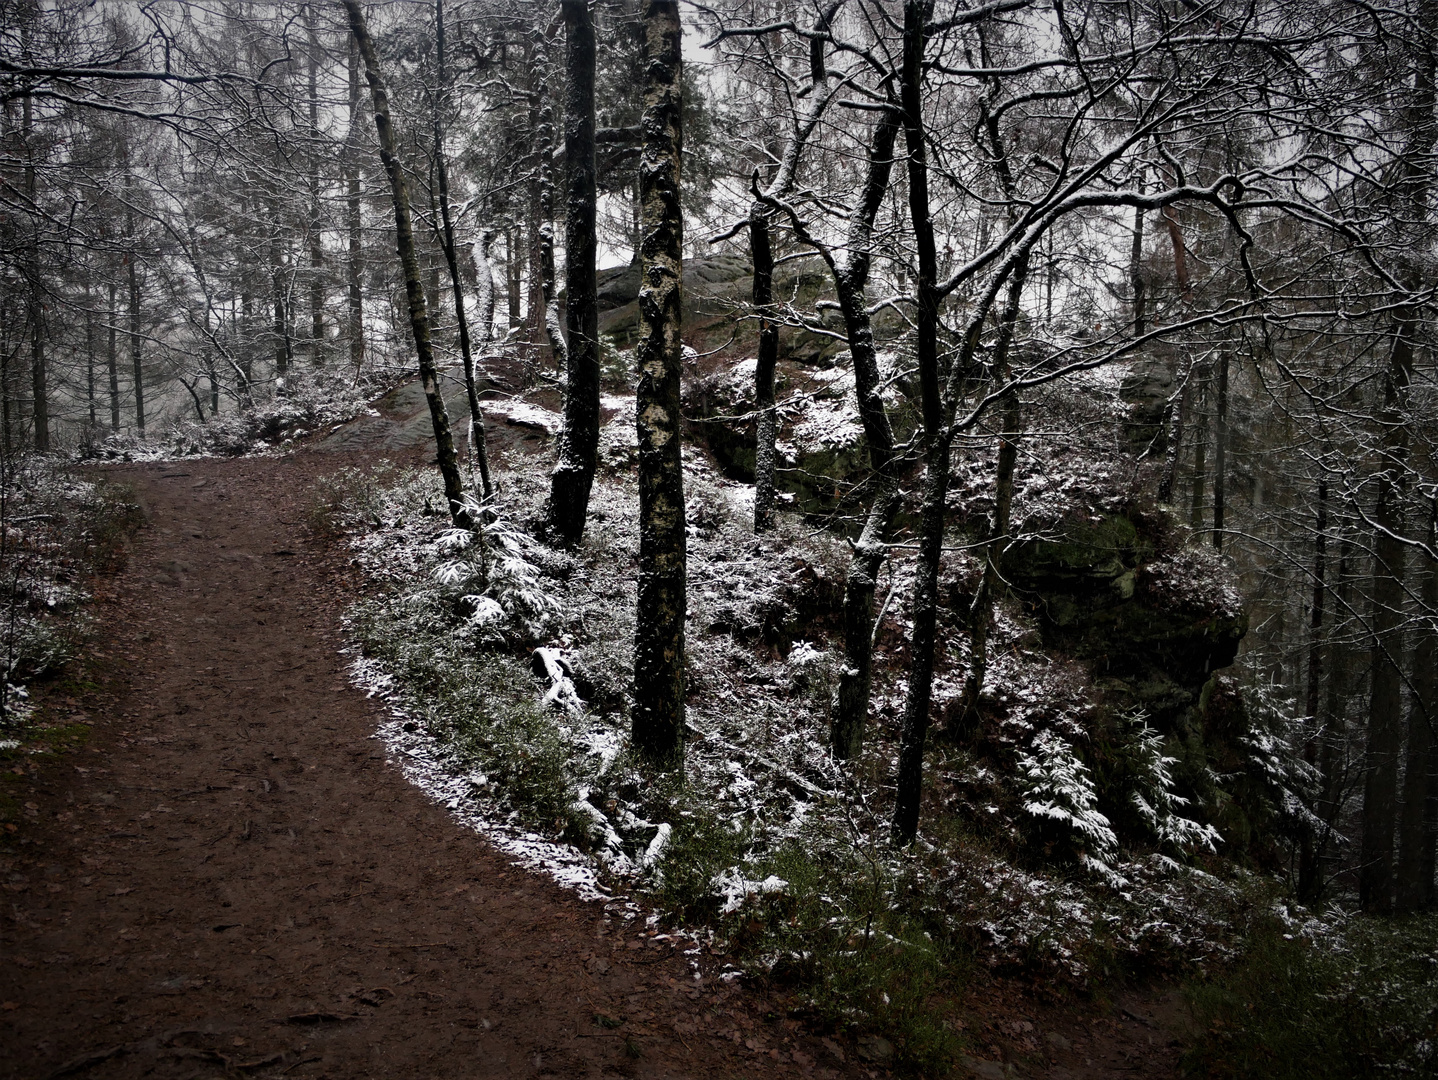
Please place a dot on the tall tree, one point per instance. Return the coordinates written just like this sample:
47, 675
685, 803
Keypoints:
578, 449
658, 714
409, 261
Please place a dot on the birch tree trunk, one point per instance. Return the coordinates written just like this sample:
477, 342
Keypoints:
658, 713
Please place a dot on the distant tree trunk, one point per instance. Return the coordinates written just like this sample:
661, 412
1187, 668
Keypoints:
579, 440
1200, 457
484, 301
512, 277
1220, 451
981, 611
1309, 870
1137, 281
766, 421
89, 356
851, 696
1385, 729
1418, 826
35, 308
451, 255
414, 287
1175, 418
937, 440
317, 251
112, 361
353, 220
658, 713
134, 283
283, 349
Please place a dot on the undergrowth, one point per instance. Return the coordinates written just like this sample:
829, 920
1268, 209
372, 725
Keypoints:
1359, 1003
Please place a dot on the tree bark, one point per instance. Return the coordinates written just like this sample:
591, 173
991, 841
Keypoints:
353, 218
35, 305
1385, 730
1418, 824
409, 260
134, 284
1220, 451
981, 611
578, 451
1137, 282
766, 423
925, 601
451, 255
90, 357
1309, 871
317, 285
658, 713
112, 361
851, 695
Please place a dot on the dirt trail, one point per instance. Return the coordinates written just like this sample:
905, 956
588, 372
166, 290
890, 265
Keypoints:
230, 877
231, 880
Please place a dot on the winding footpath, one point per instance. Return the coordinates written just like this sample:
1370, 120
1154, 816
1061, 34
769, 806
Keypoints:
229, 879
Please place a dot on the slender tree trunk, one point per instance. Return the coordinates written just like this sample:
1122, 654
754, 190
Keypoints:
414, 287
579, 441
1416, 826
851, 696
134, 283
484, 300
1137, 282
981, 611
90, 358
1200, 457
513, 282
937, 439
317, 251
36, 294
353, 218
766, 415
451, 255
1220, 451
658, 712
1175, 419
112, 361
283, 349
1309, 871
1385, 729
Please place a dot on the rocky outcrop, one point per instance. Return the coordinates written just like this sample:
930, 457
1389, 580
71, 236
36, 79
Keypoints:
1153, 621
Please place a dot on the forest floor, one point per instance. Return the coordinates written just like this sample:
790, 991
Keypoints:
230, 879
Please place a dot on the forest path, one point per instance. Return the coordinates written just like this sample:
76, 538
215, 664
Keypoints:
229, 879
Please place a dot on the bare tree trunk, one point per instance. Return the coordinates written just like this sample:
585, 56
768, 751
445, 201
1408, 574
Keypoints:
1137, 282
851, 695
414, 287
35, 308
353, 219
317, 285
658, 713
1309, 871
766, 422
1385, 729
981, 611
579, 441
134, 283
925, 601
1220, 451
512, 279
1176, 416
283, 349
89, 356
451, 255
112, 361
1418, 827
1200, 456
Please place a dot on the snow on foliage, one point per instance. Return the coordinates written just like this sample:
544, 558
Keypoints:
1057, 787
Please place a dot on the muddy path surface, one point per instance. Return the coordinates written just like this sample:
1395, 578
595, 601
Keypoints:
230, 879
